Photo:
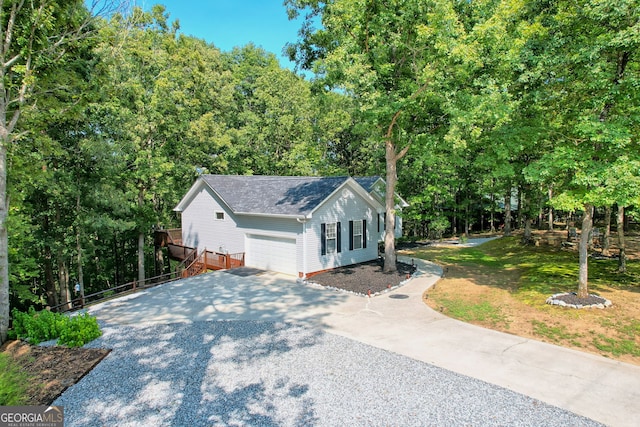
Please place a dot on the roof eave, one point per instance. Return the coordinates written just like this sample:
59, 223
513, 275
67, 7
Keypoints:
268, 215
196, 185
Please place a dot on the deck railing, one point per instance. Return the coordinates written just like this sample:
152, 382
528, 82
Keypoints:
222, 261
197, 266
116, 291
192, 264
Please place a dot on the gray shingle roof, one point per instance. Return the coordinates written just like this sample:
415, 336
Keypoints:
273, 195
367, 182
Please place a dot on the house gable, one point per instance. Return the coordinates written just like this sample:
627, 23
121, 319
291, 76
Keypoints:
208, 223
342, 231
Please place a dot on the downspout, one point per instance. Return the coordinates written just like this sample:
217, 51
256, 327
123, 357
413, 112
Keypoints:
303, 221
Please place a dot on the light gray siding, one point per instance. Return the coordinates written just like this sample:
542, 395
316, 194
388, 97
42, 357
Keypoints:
201, 229
379, 226
344, 206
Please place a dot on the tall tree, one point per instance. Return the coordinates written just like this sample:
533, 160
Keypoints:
34, 37
272, 122
376, 52
591, 82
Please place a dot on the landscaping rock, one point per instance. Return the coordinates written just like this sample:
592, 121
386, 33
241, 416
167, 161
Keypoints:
571, 300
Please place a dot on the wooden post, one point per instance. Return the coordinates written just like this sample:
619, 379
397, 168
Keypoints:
227, 260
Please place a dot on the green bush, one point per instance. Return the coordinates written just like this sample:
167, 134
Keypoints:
438, 226
80, 330
45, 325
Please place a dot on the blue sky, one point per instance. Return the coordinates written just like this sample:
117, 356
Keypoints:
230, 23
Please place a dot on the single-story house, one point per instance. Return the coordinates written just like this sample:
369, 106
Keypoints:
293, 225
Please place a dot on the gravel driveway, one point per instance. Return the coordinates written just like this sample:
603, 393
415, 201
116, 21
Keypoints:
258, 373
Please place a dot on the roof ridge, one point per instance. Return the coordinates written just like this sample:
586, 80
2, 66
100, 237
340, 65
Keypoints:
279, 176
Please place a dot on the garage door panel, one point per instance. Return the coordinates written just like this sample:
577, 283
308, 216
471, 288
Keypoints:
271, 253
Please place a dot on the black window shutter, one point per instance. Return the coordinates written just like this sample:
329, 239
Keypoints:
350, 235
323, 239
378, 223
338, 238
364, 234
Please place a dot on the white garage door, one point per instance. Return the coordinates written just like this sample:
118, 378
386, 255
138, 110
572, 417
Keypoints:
271, 253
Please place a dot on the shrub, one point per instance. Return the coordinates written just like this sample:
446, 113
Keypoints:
80, 330
437, 227
45, 325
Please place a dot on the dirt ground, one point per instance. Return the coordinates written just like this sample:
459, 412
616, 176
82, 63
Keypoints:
52, 369
587, 330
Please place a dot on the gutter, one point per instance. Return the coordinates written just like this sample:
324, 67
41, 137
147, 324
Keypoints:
303, 221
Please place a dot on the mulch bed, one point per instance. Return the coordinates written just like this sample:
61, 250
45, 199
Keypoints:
52, 369
364, 277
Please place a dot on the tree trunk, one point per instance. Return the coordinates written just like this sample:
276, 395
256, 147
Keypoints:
390, 220
4, 243
79, 251
466, 220
493, 210
159, 260
622, 260
80, 270
587, 224
49, 279
454, 221
527, 237
507, 214
519, 220
63, 281
606, 235
550, 219
116, 258
141, 272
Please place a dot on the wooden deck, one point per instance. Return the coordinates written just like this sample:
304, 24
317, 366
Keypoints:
210, 260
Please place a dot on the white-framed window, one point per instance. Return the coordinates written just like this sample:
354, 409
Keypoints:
330, 238
357, 235
219, 215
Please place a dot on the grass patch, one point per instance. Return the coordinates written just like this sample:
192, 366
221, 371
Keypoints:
616, 346
482, 312
543, 270
622, 339
553, 333
12, 383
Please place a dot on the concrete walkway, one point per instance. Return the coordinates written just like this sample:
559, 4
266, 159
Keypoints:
598, 388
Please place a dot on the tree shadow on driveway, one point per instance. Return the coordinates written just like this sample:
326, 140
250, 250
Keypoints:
203, 373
